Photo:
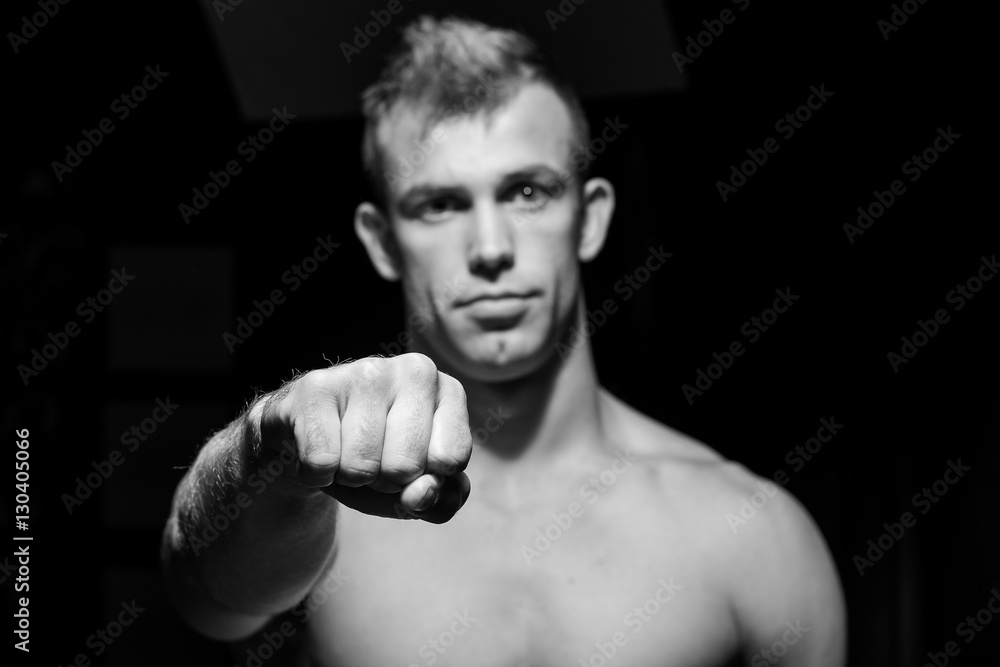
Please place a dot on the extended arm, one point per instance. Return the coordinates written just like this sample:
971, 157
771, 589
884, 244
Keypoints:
253, 525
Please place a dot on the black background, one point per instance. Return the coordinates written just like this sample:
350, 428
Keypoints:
825, 358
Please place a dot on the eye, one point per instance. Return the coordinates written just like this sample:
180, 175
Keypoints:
437, 208
530, 195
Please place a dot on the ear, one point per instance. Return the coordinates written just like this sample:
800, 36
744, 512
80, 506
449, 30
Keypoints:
372, 228
599, 206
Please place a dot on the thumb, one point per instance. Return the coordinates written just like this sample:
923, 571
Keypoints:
450, 493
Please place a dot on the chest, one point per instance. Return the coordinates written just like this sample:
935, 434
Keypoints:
568, 582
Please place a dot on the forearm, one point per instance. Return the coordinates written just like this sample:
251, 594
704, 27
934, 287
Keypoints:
242, 542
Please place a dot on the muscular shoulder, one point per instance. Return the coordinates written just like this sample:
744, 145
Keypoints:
683, 479
665, 451
725, 492
752, 532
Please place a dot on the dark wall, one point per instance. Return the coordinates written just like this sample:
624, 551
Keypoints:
826, 358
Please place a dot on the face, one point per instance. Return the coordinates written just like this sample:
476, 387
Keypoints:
485, 233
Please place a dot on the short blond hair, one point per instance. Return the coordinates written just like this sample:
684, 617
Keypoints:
442, 64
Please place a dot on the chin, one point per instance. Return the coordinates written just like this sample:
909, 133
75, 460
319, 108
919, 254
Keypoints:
495, 356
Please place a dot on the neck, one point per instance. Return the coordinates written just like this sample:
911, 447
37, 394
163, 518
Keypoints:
555, 409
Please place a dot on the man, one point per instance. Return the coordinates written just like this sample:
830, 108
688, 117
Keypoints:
591, 532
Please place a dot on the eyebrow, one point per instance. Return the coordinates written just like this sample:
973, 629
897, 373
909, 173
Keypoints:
535, 171
540, 171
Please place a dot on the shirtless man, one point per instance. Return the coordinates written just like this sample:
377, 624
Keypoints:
591, 534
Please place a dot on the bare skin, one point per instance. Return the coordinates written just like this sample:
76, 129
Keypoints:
661, 520
590, 528
484, 589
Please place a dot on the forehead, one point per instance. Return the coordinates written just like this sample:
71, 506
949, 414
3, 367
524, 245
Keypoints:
533, 127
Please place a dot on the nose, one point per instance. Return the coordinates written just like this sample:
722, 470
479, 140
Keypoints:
491, 243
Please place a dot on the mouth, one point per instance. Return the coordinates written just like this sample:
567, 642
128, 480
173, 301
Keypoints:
497, 299
498, 310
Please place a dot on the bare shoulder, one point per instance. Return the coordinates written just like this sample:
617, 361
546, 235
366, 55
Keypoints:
666, 451
686, 467
749, 530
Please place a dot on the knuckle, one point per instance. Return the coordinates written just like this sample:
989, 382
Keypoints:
371, 366
368, 374
417, 367
315, 388
312, 381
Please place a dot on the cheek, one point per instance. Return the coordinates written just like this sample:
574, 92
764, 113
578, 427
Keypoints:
552, 245
430, 245
429, 268
551, 257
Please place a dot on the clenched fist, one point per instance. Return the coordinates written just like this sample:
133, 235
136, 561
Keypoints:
387, 437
